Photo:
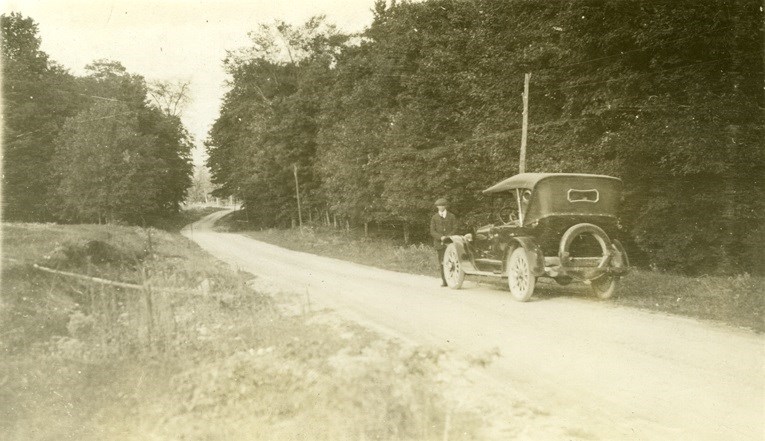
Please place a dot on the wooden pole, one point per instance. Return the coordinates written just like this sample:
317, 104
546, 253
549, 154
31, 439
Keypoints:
524, 133
297, 193
149, 308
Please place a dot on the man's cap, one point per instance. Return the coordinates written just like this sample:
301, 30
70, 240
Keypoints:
441, 202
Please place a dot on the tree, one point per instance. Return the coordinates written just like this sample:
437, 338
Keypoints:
170, 97
84, 148
120, 159
100, 166
109, 171
675, 108
426, 102
109, 80
37, 97
201, 186
268, 119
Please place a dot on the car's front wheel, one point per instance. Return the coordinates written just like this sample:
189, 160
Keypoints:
520, 279
453, 271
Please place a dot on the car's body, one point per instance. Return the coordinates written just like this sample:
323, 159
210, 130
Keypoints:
555, 210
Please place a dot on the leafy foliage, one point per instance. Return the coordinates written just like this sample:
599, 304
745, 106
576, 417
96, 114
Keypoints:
268, 121
426, 102
85, 148
36, 99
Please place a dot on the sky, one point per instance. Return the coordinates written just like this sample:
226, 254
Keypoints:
182, 40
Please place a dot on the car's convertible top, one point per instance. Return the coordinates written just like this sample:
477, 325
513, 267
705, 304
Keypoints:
530, 180
564, 194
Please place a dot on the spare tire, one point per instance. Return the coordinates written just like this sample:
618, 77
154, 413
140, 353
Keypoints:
584, 228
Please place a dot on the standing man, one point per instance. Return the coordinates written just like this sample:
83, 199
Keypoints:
442, 225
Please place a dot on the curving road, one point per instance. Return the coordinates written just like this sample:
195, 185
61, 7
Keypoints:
586, 369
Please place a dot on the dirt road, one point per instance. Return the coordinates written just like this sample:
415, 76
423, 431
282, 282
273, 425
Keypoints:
569, 368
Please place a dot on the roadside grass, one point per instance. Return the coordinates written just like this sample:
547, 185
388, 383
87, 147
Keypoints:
350, 245
735, 300
203, 354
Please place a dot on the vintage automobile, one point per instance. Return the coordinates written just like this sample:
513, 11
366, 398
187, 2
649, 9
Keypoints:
557, 225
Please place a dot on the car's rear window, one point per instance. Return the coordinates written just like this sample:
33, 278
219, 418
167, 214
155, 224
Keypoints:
576, 195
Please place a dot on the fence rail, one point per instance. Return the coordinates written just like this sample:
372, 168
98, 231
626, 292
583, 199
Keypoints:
97, 279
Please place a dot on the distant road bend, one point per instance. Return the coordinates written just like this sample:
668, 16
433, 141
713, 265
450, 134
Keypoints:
591, 369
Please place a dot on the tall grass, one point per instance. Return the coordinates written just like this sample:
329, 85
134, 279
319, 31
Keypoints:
352, 246
183, 217
109, 319
736, 300
200, 355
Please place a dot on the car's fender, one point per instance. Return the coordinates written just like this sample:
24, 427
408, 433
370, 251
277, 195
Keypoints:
533, 251
463, 252
623, 261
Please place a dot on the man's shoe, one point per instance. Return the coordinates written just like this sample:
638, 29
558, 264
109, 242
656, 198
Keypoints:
443, 285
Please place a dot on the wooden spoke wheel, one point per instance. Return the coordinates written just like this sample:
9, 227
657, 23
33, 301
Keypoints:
520, 280
453, 271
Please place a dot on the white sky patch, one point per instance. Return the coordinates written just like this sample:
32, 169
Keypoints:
172, 39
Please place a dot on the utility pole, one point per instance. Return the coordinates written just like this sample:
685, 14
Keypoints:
524, 133
297, 193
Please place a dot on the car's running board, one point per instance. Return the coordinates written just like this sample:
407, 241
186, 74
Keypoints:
483, 273
489, 261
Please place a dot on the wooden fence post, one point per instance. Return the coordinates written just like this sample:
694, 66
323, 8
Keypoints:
149, 309
297, 194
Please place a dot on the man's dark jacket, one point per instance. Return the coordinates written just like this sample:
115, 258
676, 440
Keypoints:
440, 226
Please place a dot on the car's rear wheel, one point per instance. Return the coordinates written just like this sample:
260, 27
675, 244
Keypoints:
453, 272
520, 279
604, 286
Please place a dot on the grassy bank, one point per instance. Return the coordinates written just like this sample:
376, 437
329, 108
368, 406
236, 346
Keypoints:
737, 300
350, 245
198, 352
184, 217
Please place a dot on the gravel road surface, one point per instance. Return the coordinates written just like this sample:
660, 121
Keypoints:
568, 367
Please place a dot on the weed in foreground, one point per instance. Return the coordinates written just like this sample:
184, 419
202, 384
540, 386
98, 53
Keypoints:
210, 358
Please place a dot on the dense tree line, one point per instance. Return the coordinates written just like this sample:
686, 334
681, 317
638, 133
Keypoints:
426, 102
84, 149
